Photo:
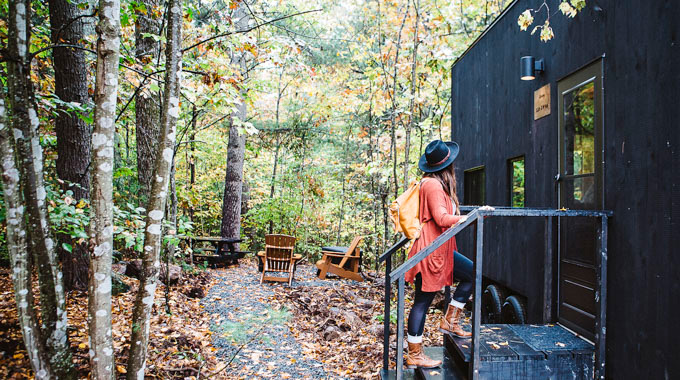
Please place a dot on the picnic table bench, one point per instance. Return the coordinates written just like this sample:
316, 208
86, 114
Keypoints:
223, 250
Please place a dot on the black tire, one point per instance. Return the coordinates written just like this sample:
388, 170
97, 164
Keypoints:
492, 303
514, 311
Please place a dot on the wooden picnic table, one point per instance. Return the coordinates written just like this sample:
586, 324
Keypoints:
224, 248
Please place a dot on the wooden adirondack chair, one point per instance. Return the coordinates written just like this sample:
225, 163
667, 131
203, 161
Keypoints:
278, 257
348, 267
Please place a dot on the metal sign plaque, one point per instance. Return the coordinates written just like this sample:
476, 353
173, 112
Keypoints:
542, 102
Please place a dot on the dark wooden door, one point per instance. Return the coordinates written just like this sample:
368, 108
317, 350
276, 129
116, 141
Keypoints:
580, 187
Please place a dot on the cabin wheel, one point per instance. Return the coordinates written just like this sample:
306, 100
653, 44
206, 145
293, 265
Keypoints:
492, 302
513, 311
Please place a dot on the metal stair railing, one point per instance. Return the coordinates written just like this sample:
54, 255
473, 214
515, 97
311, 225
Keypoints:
476, 217
387, 257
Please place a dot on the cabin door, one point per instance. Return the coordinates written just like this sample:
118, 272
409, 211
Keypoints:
580, 187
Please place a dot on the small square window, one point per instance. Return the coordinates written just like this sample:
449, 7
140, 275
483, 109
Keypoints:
475, 186
516, 177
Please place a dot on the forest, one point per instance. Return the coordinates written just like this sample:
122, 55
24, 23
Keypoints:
129, 125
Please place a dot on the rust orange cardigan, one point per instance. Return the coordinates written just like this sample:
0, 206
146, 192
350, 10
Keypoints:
438, 214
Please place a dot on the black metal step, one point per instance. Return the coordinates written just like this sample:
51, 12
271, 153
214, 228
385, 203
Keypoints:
391, 374
525, 352
447, 371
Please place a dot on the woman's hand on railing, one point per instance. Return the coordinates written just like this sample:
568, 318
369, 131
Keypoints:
462, 219
486, 208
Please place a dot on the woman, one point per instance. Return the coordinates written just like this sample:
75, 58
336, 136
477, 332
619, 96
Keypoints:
439, 210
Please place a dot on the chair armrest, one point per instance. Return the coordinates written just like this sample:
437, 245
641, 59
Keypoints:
337, 254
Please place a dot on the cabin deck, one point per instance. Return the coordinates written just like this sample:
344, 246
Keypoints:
514, 352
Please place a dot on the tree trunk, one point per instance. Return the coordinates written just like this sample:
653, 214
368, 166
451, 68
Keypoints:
273, 184
147, 115
157, 197
192, 161
18, 252
394, 105
233, 181
24, 122
101, 206
303, 180
278, 141
171, 215
70, 76
414, 79
73, 134
344, 181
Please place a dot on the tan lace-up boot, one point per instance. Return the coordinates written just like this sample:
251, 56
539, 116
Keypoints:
417, 358
451, 323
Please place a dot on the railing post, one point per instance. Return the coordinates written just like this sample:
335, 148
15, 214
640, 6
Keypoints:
548, 271
601, 302
400, 330
386, 321
477, 313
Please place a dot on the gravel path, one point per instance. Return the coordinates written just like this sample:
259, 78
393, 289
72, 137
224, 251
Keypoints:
248, 329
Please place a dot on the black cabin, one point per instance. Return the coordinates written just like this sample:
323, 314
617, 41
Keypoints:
597, 129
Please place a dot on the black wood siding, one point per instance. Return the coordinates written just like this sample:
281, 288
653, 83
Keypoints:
492, 119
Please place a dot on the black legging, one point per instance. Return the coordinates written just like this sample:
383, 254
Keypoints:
421, 302
462, 271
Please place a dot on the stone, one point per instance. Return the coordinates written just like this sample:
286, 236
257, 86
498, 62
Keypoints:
196, 292
119, 268
117, 284
134, 269
331, 333
378, 330
365, 303
353, 319
170, 274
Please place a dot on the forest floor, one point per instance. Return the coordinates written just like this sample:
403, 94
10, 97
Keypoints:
316, 329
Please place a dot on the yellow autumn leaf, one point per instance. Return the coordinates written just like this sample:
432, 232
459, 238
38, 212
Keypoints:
82, 346
18, 356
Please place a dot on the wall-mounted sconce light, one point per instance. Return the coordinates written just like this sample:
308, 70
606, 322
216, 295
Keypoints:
529, 66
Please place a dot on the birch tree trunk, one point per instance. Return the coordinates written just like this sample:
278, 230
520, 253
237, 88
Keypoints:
147, 115
233, 181
18, 252
101, 220
24, 123
158, 196
73, 134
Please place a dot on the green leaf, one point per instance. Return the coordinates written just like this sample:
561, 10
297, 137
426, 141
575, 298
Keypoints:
67, 247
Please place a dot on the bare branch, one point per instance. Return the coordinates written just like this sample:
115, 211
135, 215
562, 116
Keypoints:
248, 29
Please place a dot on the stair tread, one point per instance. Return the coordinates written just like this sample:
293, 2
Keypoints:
391, 374
519, 342
447, 371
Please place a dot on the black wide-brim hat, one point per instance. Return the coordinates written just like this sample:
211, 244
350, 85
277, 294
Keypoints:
438, 155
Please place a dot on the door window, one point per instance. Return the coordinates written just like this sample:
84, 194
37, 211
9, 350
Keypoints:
475, 186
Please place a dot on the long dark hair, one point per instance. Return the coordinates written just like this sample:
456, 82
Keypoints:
447, 177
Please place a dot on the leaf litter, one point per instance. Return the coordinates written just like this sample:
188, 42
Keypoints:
241, 330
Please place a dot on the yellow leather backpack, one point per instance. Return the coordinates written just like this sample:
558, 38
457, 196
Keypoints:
405, 212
